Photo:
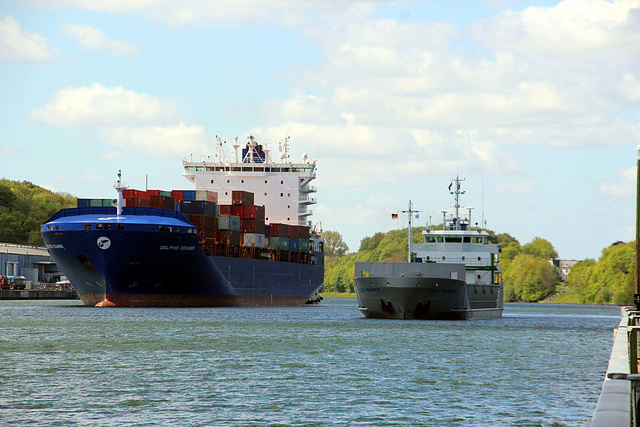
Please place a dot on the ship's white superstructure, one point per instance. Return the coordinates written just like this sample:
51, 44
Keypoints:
282, 186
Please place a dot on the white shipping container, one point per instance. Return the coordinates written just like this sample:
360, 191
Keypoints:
254, 239
210, 196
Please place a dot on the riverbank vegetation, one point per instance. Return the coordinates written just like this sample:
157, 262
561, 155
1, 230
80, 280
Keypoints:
24, 207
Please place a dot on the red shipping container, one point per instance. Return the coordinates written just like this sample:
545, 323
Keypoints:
162, 202
136, 202
241, 197
152, 193
294, 231
178, 195
253, 211
249, 211
135, 194
230, 237
251, 225
225, 210
204, 222
278, 230
238, 210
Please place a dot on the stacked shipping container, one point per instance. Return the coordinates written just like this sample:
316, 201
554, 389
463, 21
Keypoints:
238, 229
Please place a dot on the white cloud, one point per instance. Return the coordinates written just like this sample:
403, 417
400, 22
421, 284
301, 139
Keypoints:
578, 28
517, 186
93, 38
622, 184
20, 46
168, 141
102, 106
214, 12
630, 86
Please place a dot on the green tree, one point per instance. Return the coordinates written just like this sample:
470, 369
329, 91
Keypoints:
510, 251
527, 278
540, 248
506, 238
610, 280
7, 198
370, 243
333, 244
24, 207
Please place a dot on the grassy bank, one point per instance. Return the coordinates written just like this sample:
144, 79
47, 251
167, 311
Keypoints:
338, 294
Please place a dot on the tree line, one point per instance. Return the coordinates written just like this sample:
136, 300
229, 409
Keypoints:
24, 207
528, 274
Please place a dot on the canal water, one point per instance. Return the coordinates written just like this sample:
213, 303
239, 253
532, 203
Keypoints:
63, 364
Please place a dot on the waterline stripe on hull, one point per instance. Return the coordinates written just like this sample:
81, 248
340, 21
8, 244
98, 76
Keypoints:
158, 300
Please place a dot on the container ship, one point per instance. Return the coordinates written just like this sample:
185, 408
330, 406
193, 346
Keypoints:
454, 274
242, 237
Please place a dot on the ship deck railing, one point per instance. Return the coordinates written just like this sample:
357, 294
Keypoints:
479, 265
619, 399
110, 210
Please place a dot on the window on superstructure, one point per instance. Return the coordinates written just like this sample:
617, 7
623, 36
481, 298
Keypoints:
440, 239
119, 226
212, 181
451, 239
98, 226
281, 182
242, 181
467, 240
281, 194
86, 227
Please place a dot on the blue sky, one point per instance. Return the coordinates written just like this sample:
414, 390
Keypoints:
535, 103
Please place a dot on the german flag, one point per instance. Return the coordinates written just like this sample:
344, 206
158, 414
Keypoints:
394, 216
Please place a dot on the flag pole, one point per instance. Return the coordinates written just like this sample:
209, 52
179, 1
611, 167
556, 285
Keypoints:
636, 295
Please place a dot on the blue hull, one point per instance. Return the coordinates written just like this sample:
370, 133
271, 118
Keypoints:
151, 257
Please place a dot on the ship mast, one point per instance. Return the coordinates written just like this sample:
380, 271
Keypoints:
457, 193
410, 212
120, 187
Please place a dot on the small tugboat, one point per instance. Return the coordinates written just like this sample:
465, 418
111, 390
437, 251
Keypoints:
454, 274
